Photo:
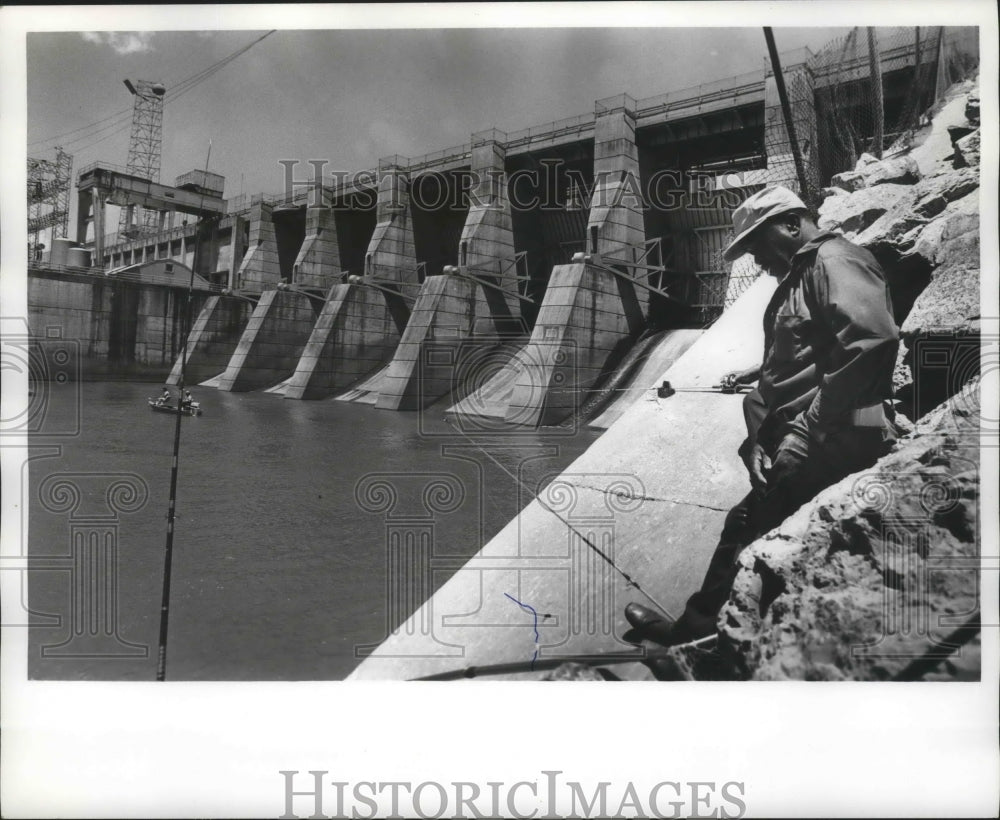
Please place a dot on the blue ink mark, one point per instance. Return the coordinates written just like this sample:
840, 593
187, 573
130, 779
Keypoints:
530, 609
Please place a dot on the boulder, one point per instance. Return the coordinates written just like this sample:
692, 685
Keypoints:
937, 191
972, 108
951, 300
952, 237
967, 151
854, 585
826, 193
900, 227
933, 145
857, 210
870, 171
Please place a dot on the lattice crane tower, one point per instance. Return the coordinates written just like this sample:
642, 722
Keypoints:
48, 195
144, 149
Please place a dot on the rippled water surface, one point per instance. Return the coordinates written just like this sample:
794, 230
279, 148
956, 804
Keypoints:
279, 567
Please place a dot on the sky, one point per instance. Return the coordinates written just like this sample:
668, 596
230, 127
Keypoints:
353, 96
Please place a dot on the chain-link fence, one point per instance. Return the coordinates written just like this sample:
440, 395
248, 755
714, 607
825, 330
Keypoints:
865, 92
873, 86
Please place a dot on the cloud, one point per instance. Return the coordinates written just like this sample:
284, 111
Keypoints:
131, 42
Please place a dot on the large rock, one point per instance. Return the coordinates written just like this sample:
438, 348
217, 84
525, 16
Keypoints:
875, 572
895, 229
967, 151
937, 191
952, 237
933, 144
951, 300
951, 243
972, 108
871, 171
857, 210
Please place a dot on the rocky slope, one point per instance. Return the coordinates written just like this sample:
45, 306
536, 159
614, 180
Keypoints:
877, 578
871, 578
917, 211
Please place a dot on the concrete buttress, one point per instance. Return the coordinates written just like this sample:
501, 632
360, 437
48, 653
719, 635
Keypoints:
355, 334
391, 255
486, 249
272, 342
425, 365
213, 339
260, 268
615, 229
318, 262
582, 322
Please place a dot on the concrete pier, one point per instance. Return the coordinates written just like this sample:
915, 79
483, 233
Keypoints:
260, 268
582, 323
391, 255
615, 229
355, 334
423, 367
466, 309
318, 263
272, 342
213, 339
486, 248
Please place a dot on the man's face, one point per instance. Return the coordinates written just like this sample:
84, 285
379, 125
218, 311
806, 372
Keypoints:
773, 245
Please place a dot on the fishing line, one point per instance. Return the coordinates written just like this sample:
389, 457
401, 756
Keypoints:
604, 556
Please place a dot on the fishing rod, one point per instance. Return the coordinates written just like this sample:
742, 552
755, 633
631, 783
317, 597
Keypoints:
168, 550
595, 659
664, 391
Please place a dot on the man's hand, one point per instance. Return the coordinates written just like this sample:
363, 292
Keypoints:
758, 463
741, 377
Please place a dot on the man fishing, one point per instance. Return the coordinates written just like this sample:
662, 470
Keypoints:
818, 413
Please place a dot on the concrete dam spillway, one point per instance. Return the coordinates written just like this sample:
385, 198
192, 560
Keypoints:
527, 279
512, 273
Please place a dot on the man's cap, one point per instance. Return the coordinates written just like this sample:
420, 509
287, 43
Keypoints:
755, 211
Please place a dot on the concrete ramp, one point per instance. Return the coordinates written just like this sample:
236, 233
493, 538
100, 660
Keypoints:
497, 373
367, 391
215, 381
635, 518
667, 351
280, 388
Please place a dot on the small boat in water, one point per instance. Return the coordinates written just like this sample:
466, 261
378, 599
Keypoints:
187, 409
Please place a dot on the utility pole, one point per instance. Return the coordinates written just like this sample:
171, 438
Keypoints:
875, 75
786, 110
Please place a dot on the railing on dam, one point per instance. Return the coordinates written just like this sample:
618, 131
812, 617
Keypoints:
42, 267
832, 65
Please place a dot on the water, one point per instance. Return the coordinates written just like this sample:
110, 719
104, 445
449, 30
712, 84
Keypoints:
279, 571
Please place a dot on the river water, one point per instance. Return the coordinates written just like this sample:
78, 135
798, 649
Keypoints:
280, 545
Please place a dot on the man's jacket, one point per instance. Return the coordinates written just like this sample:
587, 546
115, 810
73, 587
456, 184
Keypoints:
830, 342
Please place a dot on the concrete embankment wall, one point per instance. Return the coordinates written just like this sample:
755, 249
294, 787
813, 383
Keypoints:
651, 494
119, 329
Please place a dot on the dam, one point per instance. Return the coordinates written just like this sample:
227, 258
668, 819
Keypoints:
514, 272
539, 279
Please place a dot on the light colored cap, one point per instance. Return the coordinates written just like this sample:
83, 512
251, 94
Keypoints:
755, 211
